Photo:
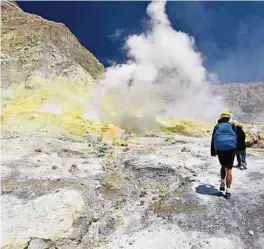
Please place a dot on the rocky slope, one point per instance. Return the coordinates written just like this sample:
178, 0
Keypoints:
33, 46
46, 74
246, 100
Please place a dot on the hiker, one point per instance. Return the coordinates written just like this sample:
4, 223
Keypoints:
233, 124
238, 157
241, 147
224, 143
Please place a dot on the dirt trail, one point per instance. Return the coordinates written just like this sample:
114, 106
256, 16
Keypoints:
160, 191
243, 215
211, 221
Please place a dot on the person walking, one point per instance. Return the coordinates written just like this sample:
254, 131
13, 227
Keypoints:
241, 146
238, 157
224, 144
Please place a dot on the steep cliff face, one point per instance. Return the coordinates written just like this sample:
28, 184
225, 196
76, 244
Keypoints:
34, 46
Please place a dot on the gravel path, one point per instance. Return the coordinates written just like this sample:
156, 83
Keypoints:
156, 192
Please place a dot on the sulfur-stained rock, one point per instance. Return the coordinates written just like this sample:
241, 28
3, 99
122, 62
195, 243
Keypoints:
254, 139
32, 46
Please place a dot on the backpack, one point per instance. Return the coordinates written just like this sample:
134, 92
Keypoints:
225, 137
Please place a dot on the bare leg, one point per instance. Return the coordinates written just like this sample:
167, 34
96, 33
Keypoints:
222, 173
228, 177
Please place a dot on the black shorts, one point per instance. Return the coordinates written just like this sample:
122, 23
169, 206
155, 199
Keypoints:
226, 158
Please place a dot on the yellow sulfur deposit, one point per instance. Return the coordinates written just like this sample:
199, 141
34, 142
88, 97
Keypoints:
59, 106
185, 127
56, 106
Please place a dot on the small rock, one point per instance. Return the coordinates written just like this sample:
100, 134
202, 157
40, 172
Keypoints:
38, 244
187, 179
54, 167
100, 154
142, 194
130, 241
104, 148
38, 150
142, 203
74, 169
108, 227
134, 192
184, 149
251, 232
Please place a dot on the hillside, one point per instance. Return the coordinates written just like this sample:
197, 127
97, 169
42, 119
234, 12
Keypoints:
35, 50
46, 75
246, 100
33, 46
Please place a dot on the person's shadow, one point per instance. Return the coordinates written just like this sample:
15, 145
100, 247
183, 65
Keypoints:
207, 189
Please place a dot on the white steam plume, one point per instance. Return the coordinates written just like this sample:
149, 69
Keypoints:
164, 76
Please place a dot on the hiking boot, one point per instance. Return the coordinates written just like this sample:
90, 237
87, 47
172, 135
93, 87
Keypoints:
242, 167
222, 186
228, 195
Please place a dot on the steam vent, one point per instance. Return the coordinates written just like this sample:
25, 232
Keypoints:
119, 156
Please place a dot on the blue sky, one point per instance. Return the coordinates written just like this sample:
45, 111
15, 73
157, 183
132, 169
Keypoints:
229, 34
